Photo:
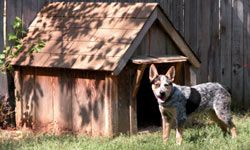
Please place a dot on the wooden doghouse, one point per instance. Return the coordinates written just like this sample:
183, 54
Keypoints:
91, 77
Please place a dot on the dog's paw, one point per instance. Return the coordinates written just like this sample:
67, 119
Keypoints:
165, 140
178, 141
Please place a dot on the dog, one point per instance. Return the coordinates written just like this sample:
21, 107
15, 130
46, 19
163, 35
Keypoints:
178, 102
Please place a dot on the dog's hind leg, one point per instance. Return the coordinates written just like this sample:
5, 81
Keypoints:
225, 119
219, 122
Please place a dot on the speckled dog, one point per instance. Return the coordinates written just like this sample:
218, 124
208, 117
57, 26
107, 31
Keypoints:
178, 102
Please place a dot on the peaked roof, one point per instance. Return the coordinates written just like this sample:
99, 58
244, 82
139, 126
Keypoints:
93, 35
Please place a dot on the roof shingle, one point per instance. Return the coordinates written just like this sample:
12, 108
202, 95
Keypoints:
83, 35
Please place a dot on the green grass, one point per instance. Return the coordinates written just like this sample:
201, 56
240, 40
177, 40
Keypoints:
198, 137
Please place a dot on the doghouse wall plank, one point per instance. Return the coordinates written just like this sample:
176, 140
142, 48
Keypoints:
81, 105
97, 90
27, 96
124, 95
62, 100
156, 43
43, 100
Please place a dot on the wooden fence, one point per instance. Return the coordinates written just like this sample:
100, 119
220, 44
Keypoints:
218, 31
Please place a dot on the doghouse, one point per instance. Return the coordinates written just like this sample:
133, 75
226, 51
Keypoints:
91, 77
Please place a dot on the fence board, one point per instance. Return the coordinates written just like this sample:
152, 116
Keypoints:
246, 53
177, 15
214, 53
1, 25
225, 45
191, 24
204, 34
237, 53
3, 82
14, 9
29, 10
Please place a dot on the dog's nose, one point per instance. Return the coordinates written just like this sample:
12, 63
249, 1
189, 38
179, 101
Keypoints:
162, 93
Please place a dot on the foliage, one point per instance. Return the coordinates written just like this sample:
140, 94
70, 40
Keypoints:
207, 136
6, 112
14, 46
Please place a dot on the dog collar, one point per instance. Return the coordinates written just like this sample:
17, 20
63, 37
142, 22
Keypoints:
169, 97
171, 94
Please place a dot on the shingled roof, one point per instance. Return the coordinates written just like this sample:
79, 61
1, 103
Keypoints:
93, 36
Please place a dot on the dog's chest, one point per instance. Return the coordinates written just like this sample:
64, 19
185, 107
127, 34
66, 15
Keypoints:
169, 112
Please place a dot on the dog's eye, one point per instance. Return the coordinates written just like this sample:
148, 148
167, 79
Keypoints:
157, 85
166, 84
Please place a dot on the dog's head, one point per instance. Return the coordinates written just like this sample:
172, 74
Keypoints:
161, 84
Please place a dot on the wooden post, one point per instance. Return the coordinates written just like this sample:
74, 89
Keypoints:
18, 84
133, 103
111, 106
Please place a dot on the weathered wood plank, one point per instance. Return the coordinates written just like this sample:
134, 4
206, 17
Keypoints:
1, 25
18, 98
29, 11
136, 42
237, 53
62, 84
152, 60
178, 40
246, 53
225, 42
133, 102
97, 97
124, 94
3, 81
40, 4
111, 105
27, 97
191, 24
14, 9
43, 100
214, 51
81, 105
204, 34
160, 43
178, 15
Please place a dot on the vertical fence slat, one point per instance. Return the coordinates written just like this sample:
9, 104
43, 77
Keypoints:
40, 3
3, 82
29, 10
14, 9
204, 34
225, 44
177, 15
237, 53
1, 24
191, 21
214, 50
246, 53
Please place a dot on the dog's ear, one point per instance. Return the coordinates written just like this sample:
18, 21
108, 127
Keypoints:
171, 73
153, 73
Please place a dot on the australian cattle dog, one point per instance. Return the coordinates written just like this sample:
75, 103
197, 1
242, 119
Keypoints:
178, 102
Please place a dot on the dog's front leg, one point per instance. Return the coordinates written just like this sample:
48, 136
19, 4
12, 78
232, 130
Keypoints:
180, 120
179, 135
166, 127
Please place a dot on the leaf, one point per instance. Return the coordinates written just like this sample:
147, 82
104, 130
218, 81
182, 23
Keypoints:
12, 37
17, 23
2, 56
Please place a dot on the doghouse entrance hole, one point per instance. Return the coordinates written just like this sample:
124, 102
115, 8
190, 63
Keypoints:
148, 113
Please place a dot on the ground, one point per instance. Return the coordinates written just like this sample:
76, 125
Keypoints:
205, 135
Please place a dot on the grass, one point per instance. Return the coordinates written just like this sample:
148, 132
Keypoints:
198, 137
